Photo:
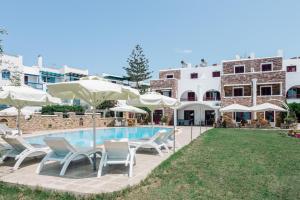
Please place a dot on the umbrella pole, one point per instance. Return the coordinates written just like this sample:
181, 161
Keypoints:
94, 137
174, 123
18, 120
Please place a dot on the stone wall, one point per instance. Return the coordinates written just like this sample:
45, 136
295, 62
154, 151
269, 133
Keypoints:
252, 64
163, 74
163, 84
229, 79
39, 122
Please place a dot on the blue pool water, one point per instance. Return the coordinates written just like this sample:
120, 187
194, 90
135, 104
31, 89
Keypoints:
84, 138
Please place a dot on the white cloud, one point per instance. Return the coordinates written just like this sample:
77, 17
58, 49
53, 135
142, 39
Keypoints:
183, 51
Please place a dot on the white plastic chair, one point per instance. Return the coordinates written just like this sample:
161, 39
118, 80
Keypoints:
117, 152
155, 142
63, 152
21, 149
5, 130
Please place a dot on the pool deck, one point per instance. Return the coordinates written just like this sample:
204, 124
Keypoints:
81, 179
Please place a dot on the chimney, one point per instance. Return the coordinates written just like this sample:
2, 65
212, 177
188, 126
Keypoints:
40, 61
280, 53
183, 64
203, 63
237, 57
252, 55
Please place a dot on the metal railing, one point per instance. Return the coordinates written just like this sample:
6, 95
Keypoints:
188, 99
38, 86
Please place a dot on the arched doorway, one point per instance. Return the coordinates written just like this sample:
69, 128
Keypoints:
293, 92
188, 95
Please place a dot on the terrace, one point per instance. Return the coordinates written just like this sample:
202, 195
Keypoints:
81, 179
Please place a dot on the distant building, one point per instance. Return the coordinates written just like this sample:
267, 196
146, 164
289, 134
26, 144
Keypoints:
122, 80
37, 76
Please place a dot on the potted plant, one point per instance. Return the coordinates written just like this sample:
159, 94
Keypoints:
164, 120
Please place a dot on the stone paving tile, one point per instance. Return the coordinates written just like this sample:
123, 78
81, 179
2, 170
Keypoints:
80, 178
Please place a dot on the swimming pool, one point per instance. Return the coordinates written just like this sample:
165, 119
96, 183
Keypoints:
84, 138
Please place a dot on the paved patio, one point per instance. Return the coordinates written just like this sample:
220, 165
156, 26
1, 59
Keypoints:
81, 179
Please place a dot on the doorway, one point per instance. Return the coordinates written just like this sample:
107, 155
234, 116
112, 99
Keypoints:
209, 117
157, 115
189, 117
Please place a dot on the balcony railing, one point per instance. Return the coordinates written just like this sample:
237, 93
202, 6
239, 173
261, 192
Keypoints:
38, 86
293, 96
188, 99
211, 99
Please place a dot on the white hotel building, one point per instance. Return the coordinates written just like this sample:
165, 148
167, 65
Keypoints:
199, 89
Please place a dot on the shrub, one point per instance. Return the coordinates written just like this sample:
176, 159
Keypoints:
49, 110
164, 119
295, 109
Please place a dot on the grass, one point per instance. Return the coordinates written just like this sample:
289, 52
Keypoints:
222, 164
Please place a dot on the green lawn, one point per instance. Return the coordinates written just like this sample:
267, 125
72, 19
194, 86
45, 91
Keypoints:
222, 164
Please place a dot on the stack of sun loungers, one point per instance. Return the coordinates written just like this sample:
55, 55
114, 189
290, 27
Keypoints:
58, 149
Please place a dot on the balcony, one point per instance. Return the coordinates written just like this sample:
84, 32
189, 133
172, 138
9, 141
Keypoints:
293, 96
188, 99
212, 95
38, 86
188, 96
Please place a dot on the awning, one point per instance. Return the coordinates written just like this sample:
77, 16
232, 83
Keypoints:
127, 108
267, 107
235, 108
258, 108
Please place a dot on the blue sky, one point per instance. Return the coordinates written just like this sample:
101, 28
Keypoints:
99, 35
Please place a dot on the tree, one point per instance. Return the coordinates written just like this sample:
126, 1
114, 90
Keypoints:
2, 32
15, 76
106, 104
138, 67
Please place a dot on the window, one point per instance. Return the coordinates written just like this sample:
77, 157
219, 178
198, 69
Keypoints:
159, 91
216, 74
194, 75
239, 69
167, 93
5, 74
266, 91
239, 116
170, 76
269, 115
291, 68
265, 67
238, 92
191, 96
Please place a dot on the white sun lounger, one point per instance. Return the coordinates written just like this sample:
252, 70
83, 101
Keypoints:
117, 152
21, 149
63, 152
155, 142
5, 130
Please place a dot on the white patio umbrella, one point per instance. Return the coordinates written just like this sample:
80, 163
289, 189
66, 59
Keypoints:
21, 96
127, 108
235, 108
267, 107
93, 90
154, 100
26, 111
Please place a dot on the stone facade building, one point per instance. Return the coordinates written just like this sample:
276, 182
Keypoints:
253, 81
